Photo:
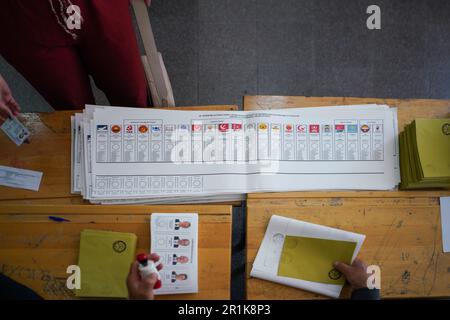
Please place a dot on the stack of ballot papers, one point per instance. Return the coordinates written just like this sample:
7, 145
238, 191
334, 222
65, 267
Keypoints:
104, 260
425, 154
128, 155
301, 255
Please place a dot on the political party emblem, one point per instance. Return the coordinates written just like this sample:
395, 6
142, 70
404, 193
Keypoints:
236, 126
377, 128
129, 128
301, 128
352, 128
365, 128
196, 127
143, 129
288, 127
224, 127
327, 128
314, 128
340, 128
102, 127
115, 129
263, 126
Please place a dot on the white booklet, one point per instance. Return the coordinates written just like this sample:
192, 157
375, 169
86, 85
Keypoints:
174, 237
267, 260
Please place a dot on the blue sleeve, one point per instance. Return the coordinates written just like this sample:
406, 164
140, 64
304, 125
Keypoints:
12, 290
366, 294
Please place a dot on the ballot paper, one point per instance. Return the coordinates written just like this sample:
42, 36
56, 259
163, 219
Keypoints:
15, 130
445, 220
167, 156
270, 263
20, 178
174, 237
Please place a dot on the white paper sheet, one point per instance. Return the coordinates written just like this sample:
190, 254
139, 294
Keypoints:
267, 260
20, 178
174, 237
445, 220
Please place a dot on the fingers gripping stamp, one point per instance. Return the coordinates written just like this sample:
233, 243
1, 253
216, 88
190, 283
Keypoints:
147, 267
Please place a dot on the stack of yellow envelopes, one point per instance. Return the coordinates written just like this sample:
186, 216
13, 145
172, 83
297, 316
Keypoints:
105, 258
425, 154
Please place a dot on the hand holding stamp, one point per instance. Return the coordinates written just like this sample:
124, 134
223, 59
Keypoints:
147, 267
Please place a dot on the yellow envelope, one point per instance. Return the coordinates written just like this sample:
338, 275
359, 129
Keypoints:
105, 258
312, 259
433, 144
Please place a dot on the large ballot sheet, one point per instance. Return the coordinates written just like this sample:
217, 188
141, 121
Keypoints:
148, 154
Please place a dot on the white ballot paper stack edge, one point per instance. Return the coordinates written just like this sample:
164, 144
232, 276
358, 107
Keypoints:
174, 237
129, 155
267, 260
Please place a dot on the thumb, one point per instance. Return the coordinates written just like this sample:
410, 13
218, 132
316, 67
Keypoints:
134, 270
345, 269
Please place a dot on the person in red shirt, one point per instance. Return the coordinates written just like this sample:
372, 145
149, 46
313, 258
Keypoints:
37, 41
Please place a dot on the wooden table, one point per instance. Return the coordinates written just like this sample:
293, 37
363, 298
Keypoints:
36, 251
403, 228
49, 152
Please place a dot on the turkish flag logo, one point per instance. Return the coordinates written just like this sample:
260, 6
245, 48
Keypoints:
224, 127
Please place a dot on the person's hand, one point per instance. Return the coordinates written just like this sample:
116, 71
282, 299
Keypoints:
140, 288
356, 274
8, 106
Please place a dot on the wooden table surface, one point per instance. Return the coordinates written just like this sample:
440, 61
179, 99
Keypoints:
403, 227
36, 251
49, 152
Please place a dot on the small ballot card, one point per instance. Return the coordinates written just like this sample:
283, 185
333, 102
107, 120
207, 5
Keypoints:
15, 130
174, 237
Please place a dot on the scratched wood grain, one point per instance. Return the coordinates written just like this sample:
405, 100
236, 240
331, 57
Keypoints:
403, 238
36, 251
49, 152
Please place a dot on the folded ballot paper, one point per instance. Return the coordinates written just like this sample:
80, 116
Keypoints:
104, 259
130, 155
301, 254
